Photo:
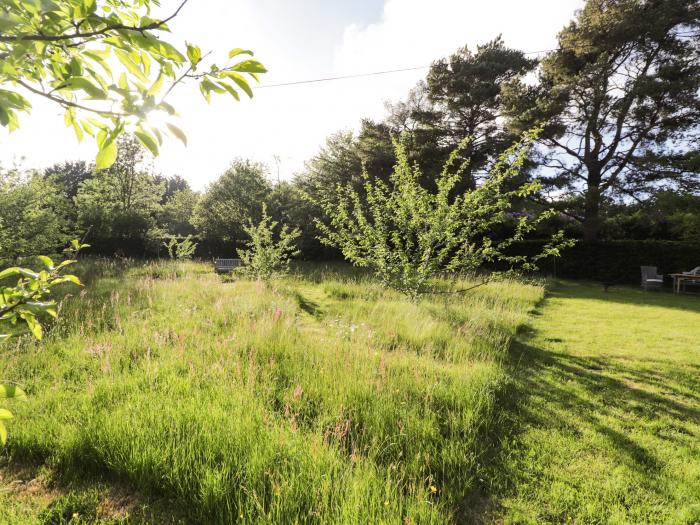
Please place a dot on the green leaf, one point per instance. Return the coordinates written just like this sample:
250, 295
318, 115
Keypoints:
87, 128
178, 133
194, 53
4, 116
68, 117
123, 83
204, 88
99, 60
146, 62
249, 66
28, 273
3, 433
240, 81
231, 90
78, 131
9, 272
71, 278
147, 140
239, 51
168, 108
87, 86
11, 392
106, 156
5, 414
66, 263
47, 261
157, 85
133, 68
33, 325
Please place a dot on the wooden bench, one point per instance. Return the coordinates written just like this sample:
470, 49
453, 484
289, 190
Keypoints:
226, 265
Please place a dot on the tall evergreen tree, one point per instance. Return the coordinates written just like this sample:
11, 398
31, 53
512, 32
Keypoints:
464, 100
618, 100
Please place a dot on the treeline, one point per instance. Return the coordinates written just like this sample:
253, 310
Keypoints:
616, 107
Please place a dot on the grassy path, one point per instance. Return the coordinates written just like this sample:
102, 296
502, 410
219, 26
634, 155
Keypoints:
607, 429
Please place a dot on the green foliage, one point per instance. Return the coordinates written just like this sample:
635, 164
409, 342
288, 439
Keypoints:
33, 216
409, 235
177, 213
265, 256
462, 98
69, 176
22, 306
108, 64
231, 200
291, 205
180, 249
122, 201
8, 392
667, 214
616, 261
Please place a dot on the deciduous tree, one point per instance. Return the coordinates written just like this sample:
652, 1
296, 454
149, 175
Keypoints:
408, 235
230, 201
33, 215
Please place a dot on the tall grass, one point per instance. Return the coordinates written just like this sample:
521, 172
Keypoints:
322, 398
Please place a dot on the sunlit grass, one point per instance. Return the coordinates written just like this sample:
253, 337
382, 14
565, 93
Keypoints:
320, 398
606, 422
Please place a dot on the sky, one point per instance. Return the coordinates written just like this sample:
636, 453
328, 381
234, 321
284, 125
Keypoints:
300, 40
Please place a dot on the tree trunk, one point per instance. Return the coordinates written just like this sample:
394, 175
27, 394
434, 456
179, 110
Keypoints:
591, 216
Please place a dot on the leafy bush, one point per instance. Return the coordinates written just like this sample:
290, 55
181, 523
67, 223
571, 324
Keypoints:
408, 235
180, 250
265, 256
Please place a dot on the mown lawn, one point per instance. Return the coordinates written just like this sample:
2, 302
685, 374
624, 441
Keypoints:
604, 421
166, 395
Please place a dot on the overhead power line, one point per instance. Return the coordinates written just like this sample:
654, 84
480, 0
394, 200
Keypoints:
358, 75
390, 71
342, 77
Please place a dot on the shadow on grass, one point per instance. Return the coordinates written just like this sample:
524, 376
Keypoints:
628, 295
308, 305
96, 498
587, 394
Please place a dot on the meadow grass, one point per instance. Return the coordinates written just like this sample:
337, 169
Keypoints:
603, 424
321, 398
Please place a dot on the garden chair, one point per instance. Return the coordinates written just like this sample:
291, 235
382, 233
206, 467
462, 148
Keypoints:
693, 284
651, 279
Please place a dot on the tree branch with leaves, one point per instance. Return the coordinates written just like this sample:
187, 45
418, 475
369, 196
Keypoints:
24, 303
107, 63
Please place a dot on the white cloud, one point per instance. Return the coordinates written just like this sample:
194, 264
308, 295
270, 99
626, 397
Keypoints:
293, 121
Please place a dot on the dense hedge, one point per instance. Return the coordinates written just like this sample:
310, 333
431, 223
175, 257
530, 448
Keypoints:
141, 248
617, 261
605, 261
